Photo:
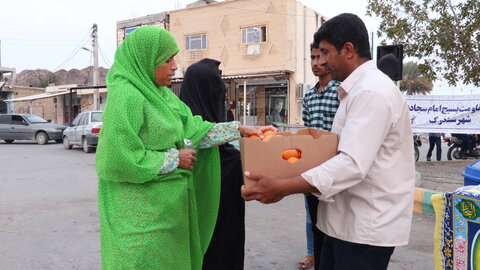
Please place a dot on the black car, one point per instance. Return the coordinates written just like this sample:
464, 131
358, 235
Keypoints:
29, 127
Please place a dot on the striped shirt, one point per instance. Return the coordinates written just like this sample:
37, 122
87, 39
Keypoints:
319, 108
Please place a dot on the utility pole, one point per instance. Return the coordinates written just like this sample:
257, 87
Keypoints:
96, 96
371, 47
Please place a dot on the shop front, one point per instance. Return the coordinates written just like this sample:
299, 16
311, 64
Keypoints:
258, 99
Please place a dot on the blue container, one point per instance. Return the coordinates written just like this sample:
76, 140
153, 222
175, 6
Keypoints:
472, 174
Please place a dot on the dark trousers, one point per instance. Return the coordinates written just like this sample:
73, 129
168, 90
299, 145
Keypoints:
435, 142
312, 202
466, 145
342, 255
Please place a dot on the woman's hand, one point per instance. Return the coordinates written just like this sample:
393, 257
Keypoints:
247, 131
187, 158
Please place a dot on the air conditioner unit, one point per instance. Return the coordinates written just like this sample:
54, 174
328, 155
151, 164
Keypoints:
306, 87
302, 88
253, 49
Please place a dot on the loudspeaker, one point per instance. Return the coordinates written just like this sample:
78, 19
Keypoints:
390, 60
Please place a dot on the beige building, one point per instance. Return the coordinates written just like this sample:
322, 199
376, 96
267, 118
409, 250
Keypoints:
50, 105
58, 104
264, 47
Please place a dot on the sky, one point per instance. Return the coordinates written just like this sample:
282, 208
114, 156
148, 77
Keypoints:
49, 34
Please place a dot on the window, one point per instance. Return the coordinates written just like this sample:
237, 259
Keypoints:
76, 120
129, 30
5, 119
196, 42
18, 120
255, 34
96, 117
266, 104
35, 119
83, 119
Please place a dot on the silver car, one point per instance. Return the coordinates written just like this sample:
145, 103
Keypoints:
28, 127
84, 131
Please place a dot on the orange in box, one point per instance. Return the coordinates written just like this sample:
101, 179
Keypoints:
312, 147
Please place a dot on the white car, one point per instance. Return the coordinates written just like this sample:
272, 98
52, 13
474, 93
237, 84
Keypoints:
84, 131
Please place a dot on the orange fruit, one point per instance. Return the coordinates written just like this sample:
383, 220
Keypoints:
292, 159
269, 133
267, 138
254, 136
286, 154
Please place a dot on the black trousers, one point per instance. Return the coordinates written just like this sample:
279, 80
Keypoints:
467, 145
312, 203
435, 142
342, 255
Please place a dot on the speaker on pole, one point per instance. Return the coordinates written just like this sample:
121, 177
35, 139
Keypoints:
390, 60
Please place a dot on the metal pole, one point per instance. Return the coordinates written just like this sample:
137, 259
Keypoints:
305, 44
71, 108
371, 48
96, 97
244, 102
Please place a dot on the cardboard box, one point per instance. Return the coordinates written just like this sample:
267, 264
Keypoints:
316, 146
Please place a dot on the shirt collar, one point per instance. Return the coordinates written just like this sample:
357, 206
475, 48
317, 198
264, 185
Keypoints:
329, 85
347, 85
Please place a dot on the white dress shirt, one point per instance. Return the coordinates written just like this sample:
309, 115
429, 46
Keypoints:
367, 188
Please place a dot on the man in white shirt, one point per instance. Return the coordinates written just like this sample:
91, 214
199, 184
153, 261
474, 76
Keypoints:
366, 190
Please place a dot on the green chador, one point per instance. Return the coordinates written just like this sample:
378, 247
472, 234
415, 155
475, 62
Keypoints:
150, 220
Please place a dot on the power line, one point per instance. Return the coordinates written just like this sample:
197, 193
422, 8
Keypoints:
91, 69
77, 49
104, 57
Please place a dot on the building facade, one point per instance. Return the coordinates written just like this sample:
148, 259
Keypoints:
7, 78
52, 105
264, 47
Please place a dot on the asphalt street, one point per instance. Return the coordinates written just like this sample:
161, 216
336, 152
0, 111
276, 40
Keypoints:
49, 217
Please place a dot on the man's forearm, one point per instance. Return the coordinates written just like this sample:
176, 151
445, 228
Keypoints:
298, 185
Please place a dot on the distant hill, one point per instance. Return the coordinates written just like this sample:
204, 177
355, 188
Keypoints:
43, 78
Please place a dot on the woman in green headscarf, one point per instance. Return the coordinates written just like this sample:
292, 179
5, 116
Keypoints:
154, 214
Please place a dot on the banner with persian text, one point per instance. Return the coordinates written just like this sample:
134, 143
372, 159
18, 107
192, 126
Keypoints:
445, 114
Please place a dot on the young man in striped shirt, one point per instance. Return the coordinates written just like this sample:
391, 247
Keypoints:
319, 107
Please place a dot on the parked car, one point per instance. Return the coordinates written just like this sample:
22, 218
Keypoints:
28, 127
84, 131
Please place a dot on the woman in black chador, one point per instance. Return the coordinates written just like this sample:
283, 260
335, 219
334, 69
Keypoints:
204, 92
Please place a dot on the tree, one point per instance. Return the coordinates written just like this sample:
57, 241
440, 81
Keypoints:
413, 82
46, 80
443, 35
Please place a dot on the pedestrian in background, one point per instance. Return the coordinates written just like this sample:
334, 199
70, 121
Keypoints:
435, 140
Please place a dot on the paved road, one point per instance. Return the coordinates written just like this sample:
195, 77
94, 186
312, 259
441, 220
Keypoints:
49, 217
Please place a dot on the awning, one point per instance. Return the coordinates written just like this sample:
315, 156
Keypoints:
246, 76
39, 96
